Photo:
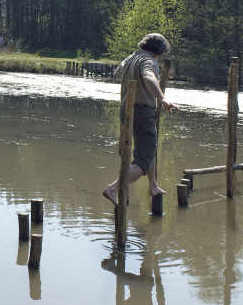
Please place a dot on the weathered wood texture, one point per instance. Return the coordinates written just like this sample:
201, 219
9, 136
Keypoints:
23, 219
126, 131
233, 109
35, 251
37, 211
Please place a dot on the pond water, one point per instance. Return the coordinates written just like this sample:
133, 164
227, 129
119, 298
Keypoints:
59, 141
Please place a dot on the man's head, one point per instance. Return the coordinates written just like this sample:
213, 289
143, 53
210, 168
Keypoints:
155, 43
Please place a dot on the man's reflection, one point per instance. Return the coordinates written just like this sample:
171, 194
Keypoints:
140, 286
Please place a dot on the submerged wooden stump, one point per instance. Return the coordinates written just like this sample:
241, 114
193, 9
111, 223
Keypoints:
23, 219
35, 251
189, 177
188, 183
182, 195
157, 205
37, 211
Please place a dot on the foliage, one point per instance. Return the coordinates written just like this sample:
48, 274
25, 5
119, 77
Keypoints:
140, 17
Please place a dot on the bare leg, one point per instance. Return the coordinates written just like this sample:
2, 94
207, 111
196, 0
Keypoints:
153, 185
134, 173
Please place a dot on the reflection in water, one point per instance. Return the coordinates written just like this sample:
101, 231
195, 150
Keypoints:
65, 151
229, 272
34, 284
140, 286
23, 253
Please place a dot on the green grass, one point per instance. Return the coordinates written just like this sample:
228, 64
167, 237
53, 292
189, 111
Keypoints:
25, 62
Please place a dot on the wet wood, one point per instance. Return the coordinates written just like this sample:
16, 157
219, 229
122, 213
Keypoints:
188, 183
37, 211
157, 205
189, 176
35, 251
233, 88
212, 170
23, 253
182, 195
23, 219
126, 131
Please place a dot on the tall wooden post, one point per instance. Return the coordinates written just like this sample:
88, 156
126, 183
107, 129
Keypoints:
126, 131
157, 201
233, 109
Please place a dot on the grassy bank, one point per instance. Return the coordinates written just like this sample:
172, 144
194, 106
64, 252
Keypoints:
34, 63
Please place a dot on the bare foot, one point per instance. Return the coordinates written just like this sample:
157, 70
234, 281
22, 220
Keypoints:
155, 190
110, 194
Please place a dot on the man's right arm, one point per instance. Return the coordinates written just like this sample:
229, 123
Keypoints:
153, 86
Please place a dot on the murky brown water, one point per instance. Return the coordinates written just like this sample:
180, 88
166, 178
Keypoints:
66, 153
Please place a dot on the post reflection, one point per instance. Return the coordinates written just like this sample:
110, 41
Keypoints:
34, 284
23, 253
140, 286
22, 259
230, 244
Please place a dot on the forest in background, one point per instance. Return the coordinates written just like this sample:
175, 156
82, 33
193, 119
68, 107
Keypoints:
204, 34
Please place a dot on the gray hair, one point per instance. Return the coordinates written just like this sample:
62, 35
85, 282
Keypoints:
155, 43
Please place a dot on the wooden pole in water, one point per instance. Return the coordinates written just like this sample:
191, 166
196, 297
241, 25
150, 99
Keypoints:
189, 177
182, 195
233, 109
37, 211
126, 131
157, 201
188, 183
23, 226
35, 251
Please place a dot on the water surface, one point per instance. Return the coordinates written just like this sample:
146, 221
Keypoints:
64, 149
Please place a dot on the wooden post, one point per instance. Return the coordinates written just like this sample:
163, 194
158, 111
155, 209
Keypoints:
23, 226
157, 201
182, 195
157, 205
233, 109
186, 182
126, 131
35, 251
37, 211
189, 177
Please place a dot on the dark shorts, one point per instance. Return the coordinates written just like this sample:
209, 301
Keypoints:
145, 136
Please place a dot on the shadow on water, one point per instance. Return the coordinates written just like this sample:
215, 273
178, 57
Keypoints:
65, 151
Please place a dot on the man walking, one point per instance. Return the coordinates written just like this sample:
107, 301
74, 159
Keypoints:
143, 67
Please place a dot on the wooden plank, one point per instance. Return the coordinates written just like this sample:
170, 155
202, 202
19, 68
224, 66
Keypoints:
211, 170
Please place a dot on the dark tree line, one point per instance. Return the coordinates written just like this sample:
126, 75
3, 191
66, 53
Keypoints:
60, 24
